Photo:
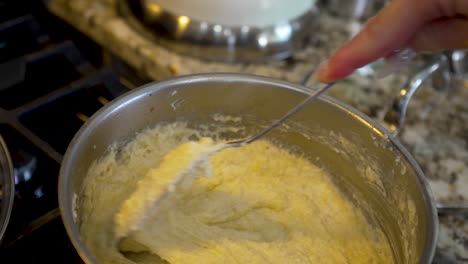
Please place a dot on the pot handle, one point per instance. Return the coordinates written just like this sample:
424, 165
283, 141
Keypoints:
394, 119
396, 116
446, 209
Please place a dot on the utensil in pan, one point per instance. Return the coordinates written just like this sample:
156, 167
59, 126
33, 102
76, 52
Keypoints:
189, 156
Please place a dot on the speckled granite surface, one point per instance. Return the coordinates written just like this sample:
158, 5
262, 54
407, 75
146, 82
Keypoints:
436, 132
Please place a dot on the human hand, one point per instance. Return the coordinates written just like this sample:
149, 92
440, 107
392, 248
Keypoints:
424, 25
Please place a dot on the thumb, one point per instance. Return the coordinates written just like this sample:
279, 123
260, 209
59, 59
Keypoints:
442, 34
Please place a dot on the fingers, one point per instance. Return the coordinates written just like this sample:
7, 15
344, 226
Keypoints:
440, 35
391, 29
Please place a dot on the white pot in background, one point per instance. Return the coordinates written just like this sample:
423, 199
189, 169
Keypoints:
258, 13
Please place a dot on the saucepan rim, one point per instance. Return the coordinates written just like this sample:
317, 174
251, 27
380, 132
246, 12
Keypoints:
64, 187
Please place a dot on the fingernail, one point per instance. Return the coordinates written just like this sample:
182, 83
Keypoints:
321, 72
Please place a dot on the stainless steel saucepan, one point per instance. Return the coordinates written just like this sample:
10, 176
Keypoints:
373, 169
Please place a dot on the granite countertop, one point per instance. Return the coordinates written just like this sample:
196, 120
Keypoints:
435, 132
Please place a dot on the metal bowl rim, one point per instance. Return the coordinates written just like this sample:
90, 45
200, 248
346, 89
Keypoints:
64, 191
9, 185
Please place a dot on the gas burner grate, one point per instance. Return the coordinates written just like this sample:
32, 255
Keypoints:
35, 175
20, 36
38, 74
58, 121
53, 80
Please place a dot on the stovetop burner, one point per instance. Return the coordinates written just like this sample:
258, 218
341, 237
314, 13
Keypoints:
53, 79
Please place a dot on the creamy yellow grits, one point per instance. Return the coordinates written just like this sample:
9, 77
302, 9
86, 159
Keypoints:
262, 204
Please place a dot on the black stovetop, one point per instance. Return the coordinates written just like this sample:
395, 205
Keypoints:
52, 79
